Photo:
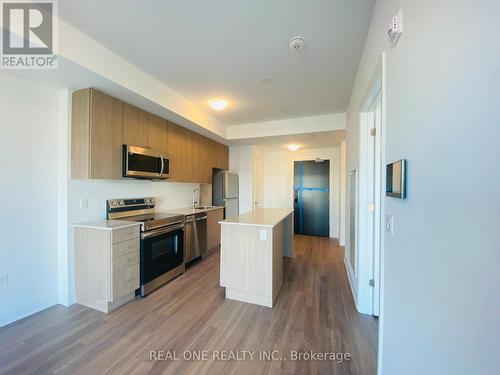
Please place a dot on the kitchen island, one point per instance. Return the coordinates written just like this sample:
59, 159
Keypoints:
252, 249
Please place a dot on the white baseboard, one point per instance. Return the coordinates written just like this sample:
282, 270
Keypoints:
350, 277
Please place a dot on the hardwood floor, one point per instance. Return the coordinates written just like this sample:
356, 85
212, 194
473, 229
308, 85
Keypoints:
314, 312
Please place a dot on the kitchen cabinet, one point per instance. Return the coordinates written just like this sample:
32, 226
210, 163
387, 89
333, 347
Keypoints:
221, 153
135, 126
191, 157
158, 134
106, 264
204, 166
251, 256
96, 136
213, 228
178, 151
101, 124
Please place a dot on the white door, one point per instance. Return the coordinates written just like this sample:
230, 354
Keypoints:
258, 185
370, 209
374, 184
377, 194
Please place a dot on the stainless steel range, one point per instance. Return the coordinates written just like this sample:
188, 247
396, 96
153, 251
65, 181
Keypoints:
162, 240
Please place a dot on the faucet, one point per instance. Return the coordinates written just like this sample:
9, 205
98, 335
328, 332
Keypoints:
195, 202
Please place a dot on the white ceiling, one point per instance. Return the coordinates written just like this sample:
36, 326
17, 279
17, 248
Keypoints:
222, 48
326, 139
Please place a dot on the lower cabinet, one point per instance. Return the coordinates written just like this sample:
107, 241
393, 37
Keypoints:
213, 228
106, 266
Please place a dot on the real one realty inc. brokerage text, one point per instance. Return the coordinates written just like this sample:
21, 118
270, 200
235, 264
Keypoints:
246, 355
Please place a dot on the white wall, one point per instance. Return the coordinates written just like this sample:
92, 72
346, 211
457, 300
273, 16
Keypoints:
279, 180
169, 195
440, 305
28, 220
40, 203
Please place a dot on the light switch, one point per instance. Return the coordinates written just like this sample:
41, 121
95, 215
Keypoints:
389, 224
4, 281
84, 203
263, 234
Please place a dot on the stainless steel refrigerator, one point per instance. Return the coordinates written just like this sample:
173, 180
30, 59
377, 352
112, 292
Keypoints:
225, 191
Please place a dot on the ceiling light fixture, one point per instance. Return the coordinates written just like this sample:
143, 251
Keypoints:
217, 104
293, 147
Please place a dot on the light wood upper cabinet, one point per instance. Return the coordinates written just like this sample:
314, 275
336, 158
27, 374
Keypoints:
158, 134
135, 126
178, 152
190, 164
225, 156
206, 164
196, 149
96, 135
101, 124
221, 156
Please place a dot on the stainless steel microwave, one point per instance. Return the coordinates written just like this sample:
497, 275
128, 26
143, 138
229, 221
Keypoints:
145, 163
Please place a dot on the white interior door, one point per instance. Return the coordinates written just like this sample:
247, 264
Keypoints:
377, 201
374, 185
258, 185
370, 209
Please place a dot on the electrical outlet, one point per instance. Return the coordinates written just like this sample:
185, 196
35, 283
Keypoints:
4, 281
263, 234
389, 224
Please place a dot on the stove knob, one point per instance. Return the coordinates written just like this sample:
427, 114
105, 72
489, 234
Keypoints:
152, 201
113, 203
122, 203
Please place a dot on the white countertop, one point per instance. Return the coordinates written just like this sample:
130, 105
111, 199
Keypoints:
267, 217
190, 210
107, 224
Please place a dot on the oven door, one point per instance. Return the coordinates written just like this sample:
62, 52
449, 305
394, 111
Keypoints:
143, 162
162, 250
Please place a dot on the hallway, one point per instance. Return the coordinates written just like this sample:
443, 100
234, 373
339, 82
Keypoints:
314, 312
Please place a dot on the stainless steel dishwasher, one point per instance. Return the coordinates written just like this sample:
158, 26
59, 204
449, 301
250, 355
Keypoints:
195, 234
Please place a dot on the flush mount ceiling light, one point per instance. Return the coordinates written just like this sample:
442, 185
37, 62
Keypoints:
293, 147
217, 104
296, 43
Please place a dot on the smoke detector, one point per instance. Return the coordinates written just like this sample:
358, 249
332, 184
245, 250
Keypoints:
296, 43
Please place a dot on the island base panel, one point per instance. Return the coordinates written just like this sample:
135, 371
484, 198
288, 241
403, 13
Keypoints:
256, 299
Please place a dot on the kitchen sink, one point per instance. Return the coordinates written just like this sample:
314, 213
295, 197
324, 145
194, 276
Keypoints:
203, 207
